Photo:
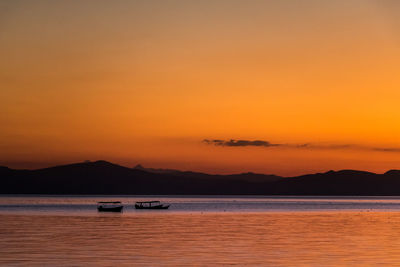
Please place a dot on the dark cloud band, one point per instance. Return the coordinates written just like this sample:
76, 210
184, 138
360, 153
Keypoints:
264, 143
233, 142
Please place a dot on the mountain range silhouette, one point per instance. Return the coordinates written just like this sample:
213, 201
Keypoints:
102, 177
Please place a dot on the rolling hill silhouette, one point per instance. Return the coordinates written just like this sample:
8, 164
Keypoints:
102, 177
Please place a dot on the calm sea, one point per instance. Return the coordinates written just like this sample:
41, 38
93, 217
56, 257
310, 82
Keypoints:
200, 231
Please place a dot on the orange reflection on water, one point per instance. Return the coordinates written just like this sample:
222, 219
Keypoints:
274, 238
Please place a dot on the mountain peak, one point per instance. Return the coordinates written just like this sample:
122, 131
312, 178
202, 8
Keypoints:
393, 172
139, 167
347, 172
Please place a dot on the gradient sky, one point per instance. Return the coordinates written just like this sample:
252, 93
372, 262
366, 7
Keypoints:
147, 81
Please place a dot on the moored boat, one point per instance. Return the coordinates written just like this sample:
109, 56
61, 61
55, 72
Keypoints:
110, 206
156, 205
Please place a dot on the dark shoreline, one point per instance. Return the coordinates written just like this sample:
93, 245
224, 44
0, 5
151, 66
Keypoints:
104, 178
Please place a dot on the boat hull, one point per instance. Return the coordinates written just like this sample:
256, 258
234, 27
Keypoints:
158, 207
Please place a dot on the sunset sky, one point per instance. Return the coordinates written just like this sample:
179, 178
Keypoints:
308, 86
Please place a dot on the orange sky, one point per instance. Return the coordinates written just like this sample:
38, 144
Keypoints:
146, 81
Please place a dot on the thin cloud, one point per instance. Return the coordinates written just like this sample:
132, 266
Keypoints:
387, 149
324, 146
316, 146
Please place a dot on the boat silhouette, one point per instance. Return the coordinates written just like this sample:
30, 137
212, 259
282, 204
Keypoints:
110, 206
156, 205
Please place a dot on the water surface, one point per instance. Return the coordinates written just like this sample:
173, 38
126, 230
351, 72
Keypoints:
278, 231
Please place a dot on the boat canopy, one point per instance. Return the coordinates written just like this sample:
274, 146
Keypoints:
146, 202
109, 202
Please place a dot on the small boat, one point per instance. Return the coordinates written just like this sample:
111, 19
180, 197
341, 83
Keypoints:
156, 205
111, 206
